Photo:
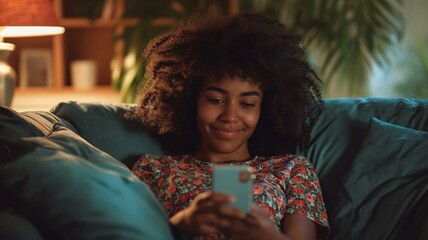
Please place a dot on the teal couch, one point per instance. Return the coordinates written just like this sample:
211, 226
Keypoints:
64, 174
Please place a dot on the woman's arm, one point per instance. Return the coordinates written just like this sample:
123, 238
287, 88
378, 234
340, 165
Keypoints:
299, 227
305, 206
258, 225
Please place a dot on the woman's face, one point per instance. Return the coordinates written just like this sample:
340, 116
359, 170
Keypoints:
228, 111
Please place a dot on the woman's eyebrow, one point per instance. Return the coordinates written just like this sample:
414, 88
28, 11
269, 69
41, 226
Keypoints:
222, 91
216, 89
252, 93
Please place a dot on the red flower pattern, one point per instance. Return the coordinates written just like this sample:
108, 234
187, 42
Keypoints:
298, 191
258, 189
283, 185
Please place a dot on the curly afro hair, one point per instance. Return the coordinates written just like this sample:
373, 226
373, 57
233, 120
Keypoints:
248, 45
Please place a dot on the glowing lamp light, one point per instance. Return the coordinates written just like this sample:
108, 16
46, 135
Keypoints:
22, 18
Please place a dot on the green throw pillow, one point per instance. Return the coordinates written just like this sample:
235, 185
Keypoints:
106, 127
385, 186
71, 190
12, 125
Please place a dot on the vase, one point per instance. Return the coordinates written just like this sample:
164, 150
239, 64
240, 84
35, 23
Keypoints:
7, 75
83, 74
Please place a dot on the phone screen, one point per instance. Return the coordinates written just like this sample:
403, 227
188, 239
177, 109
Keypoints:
236, 181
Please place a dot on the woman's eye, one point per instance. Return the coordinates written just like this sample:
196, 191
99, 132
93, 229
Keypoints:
216, 101
248, 105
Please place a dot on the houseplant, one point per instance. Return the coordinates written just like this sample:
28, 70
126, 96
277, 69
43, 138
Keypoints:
344, 37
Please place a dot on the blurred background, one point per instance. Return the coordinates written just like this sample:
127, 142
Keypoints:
360, 48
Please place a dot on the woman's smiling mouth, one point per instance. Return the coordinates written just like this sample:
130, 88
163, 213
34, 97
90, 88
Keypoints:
225, 133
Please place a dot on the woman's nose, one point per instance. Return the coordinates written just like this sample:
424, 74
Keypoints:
230, 113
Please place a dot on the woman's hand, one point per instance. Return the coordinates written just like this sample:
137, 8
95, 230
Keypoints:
207, 214
210, 214
256, 225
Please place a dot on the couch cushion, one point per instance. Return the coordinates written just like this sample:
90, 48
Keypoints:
340, 130
338, 135
12, 125
72, 190
385, 185
24, 124
15, 227
105, 126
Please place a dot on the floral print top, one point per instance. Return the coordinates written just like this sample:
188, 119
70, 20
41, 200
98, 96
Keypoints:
282, 185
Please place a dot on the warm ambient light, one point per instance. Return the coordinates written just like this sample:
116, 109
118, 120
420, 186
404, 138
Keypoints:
7, 46
22, 18
30, 31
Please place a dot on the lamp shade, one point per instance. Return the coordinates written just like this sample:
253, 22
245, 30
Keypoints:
21, 18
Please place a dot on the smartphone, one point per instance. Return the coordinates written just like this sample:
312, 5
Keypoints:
236, 181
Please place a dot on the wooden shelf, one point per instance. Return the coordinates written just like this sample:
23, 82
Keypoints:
43, 99
83, 39
87, 23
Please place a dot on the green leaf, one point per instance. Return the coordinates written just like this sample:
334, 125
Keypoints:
353, 35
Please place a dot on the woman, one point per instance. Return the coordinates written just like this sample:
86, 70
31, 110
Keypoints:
234, 90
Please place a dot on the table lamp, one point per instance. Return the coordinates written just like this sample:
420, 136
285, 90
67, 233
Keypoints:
21, 18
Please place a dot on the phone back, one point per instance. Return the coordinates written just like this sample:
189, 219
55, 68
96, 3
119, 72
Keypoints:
236, 181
